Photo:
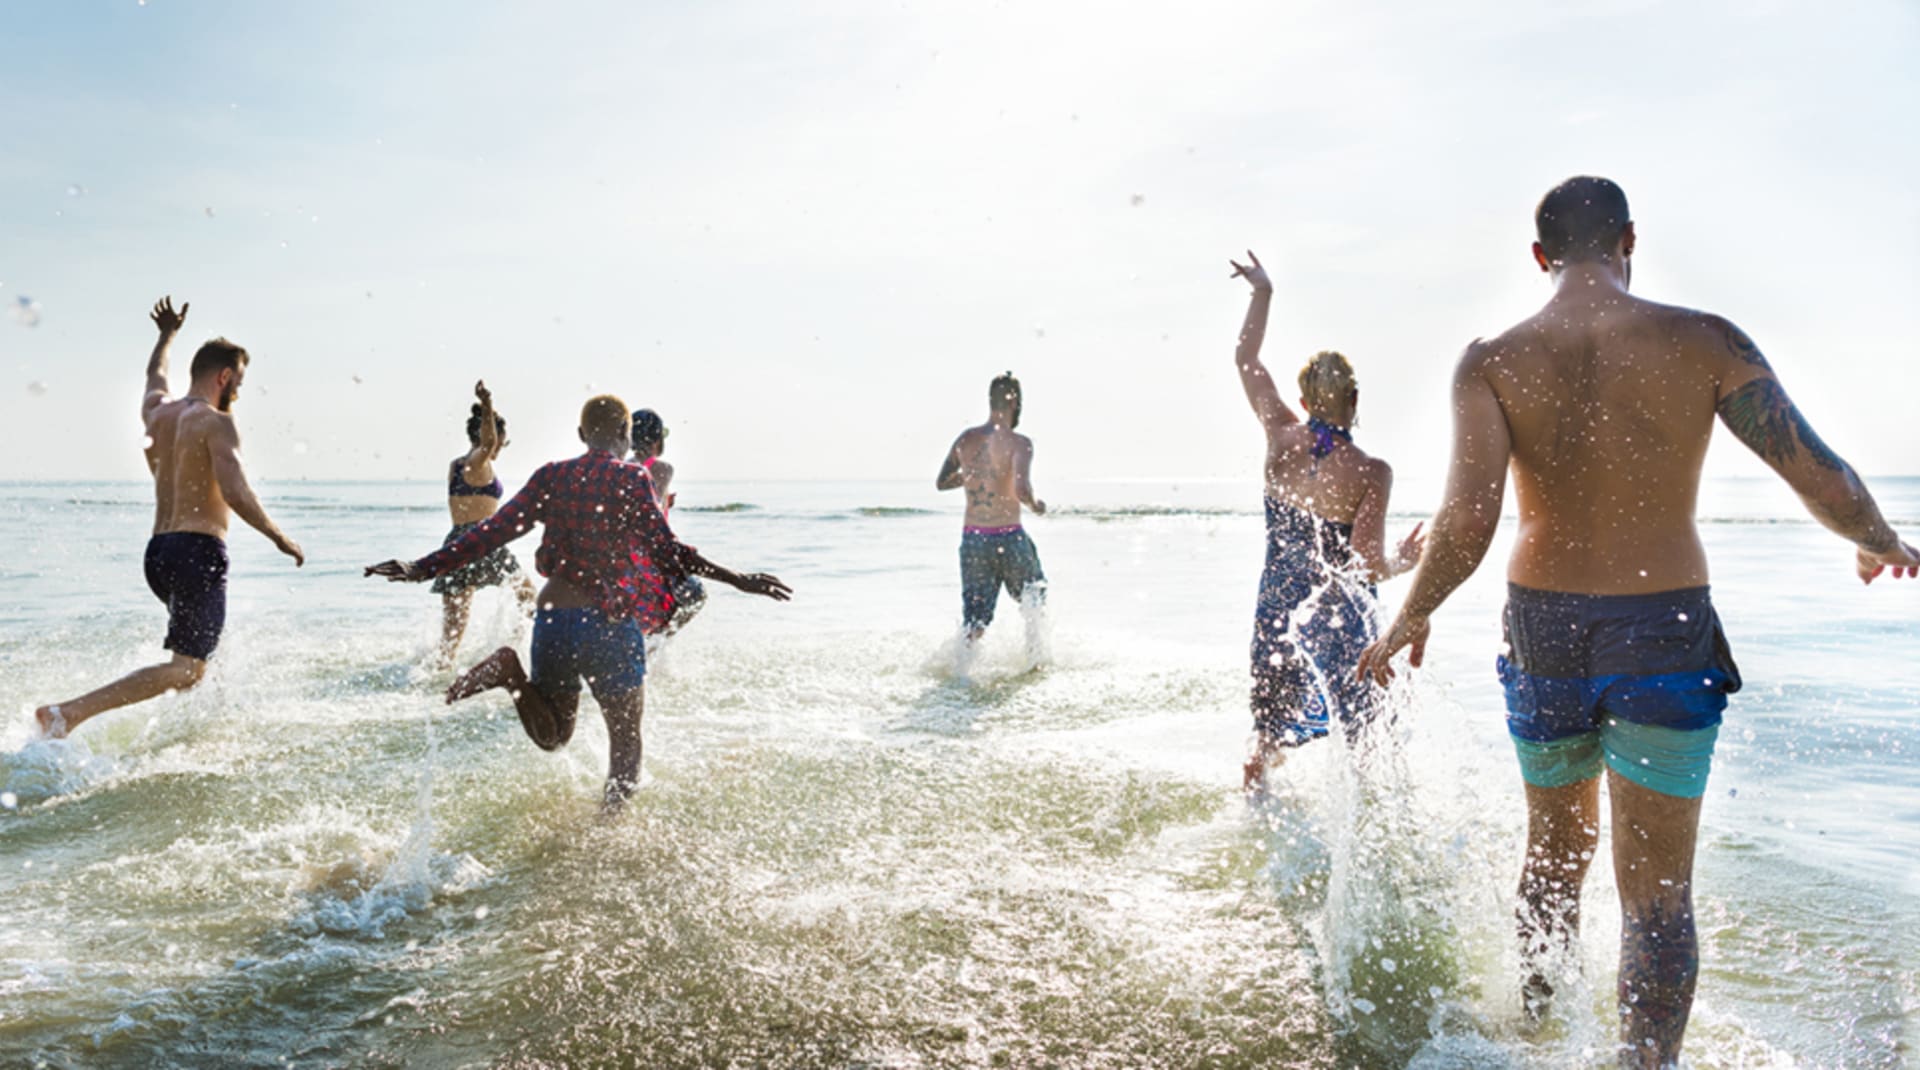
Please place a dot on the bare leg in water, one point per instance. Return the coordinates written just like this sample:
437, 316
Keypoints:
1653, 845
1266, 754
623, 746
547, 719
1563, 831
180, 674
455, 608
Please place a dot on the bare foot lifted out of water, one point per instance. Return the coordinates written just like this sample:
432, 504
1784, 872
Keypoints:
52, 725
499, 669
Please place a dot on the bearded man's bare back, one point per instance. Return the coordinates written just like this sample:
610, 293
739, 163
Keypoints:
193, 451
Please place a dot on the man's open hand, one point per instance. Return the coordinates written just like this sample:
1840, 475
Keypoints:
165, 318
397, 571
1376, 662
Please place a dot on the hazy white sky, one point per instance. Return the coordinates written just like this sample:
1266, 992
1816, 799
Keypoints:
810, 238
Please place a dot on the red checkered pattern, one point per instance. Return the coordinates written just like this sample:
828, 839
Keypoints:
604, 533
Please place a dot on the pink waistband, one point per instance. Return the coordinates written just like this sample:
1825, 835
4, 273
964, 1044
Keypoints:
971, 529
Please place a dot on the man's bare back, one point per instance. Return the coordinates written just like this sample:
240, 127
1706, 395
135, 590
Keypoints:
193, 451
1610, 401
186, 493
992, 464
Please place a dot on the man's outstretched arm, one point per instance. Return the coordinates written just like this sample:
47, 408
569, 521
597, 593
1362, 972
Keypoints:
169, 322
1756, 408
1262, 394
1468, 517
224, 446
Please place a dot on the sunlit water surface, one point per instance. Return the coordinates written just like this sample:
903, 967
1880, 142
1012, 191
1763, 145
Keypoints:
852, 851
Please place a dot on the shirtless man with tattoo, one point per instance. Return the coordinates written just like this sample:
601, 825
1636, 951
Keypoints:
193, 451
1601, 406
994, 463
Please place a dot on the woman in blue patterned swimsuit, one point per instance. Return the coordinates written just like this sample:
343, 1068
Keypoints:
473, 494
1326, 548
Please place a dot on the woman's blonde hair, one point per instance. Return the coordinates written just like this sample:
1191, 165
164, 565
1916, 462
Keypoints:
1328, 389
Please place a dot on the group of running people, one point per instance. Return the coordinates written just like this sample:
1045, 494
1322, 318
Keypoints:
1600, 407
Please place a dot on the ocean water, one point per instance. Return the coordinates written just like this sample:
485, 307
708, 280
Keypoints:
852, 850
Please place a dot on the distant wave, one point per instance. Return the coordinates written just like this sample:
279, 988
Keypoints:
894, 510
728, 507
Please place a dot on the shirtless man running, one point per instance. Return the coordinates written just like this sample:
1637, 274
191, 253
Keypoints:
1601, 405
193, 451
994, 463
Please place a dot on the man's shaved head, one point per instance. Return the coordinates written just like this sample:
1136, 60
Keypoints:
603, 423
1581, 219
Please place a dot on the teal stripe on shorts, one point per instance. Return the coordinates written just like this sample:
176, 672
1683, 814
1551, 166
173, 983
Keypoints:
1667, 760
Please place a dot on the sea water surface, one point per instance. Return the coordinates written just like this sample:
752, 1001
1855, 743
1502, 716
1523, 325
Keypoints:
854, 850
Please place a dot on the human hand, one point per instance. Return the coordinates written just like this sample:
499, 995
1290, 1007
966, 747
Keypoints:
1376, 661
165, 318
291, 549
397, 571
1039, 507
1904, 560
1254, 274
763, 583
480, 391
1411, 547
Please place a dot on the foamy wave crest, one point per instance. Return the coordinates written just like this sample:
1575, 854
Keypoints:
48, 768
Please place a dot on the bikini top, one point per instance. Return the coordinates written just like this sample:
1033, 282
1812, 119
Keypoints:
458, 487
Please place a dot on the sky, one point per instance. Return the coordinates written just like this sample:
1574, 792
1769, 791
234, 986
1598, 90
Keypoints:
810, 238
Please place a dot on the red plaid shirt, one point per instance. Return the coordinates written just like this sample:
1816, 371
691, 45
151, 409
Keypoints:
604, 534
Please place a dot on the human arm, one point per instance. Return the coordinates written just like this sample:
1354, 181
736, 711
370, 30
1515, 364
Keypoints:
1023, 477
646, 520
224, 447
1370, 530
662, 474
950, 477
509, 522
478, 469
1465, 524
169, 322
1755, 407
1262, 394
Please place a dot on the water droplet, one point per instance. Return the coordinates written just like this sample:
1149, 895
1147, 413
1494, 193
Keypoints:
1681, 616
1039, 332
358, 380
1389, 965
9, 800
37, 388
1138, 199
1435, 991
480, 914
25, 311
300, 446
1364, 1006
209, 211
75, 189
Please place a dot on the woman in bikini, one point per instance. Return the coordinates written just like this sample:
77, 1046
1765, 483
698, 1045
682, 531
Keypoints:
473, 494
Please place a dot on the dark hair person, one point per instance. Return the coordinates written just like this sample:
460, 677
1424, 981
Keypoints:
473, 494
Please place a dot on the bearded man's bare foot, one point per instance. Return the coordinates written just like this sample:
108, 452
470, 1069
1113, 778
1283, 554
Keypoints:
498, 669
52, 725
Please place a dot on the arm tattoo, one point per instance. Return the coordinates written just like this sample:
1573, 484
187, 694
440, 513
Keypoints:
1741, 346
1760, 415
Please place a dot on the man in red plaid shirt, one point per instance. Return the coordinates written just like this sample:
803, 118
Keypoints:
603, 552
